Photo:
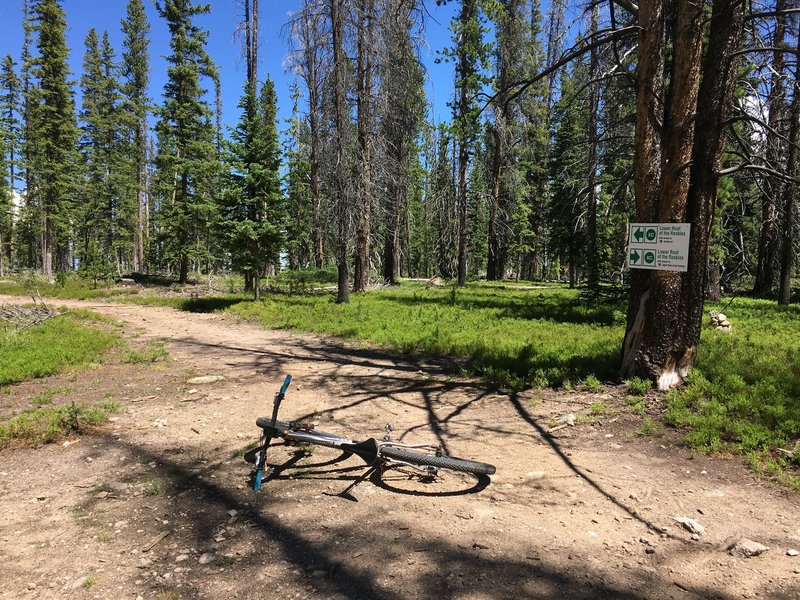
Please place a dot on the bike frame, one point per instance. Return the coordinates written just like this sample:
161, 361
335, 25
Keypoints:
368, 450
378, 455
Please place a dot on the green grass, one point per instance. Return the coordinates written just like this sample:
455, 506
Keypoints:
744, 393
638, 386
153, 486
70, 288
153, 351
58, 343
514, 338
47, 424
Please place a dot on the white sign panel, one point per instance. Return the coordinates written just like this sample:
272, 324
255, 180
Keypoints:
663, 246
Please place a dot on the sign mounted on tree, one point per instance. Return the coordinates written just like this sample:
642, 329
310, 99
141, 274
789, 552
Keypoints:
662, 246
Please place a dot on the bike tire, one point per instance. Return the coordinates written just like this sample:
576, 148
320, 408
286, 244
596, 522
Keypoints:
443, 462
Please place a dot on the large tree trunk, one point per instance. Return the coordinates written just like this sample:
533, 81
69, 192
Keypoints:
789, 191
312, 81
714, 283
339, 100
592, 266
463, 155
666, 308
366, 23
493, 272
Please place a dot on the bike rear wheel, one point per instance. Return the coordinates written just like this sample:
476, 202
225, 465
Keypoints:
442, 462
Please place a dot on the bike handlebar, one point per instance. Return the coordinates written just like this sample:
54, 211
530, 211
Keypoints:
285, 385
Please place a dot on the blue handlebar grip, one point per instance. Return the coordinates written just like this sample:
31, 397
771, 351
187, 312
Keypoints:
285, 385
257, 481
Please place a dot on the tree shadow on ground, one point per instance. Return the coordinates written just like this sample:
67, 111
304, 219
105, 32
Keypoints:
360, 557
537, 306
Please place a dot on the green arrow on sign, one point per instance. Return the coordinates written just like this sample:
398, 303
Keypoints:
638, 234
635, 257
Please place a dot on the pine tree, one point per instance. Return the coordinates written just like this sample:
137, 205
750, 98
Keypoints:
135, 71
401, 125
566, 210
252, 211
187, 161
470, 54
29, 227
513, 31
55, 132
104, 216
9, 156
529, 225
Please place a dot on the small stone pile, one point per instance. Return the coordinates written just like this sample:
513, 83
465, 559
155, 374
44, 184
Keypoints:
719, 321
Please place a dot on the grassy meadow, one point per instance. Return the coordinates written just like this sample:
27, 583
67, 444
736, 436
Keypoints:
73, 340
743, 396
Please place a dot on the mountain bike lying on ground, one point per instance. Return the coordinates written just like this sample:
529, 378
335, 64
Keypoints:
379, 455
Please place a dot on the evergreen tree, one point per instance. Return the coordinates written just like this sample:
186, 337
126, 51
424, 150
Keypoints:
566, 209
135, 71
470, 54
187, 160
9, 156
55, 133
104, 217
252, 211
441, 195
401, 124
29, 226
513, 32
529, 225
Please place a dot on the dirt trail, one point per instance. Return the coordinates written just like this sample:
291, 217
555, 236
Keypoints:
156, 504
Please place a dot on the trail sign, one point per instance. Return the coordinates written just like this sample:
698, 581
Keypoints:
663, 246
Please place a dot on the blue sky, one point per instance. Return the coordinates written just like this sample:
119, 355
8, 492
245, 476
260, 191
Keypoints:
105, 15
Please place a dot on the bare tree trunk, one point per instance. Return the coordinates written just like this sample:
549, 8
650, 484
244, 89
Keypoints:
789, 191
248, 44
255, 41
463, 155
464, 72
47, 247
492, 264
366, 23
308, 31
592, 267
339, 99
769, 238
666, 308
714, 287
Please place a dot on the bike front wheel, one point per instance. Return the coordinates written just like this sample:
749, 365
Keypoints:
441, 462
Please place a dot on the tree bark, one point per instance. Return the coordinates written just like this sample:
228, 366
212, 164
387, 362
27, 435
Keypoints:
366, 22
714, 287
677, 176
789, 191
464, 72
311, 74
339, 99
493, 272
592, 266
